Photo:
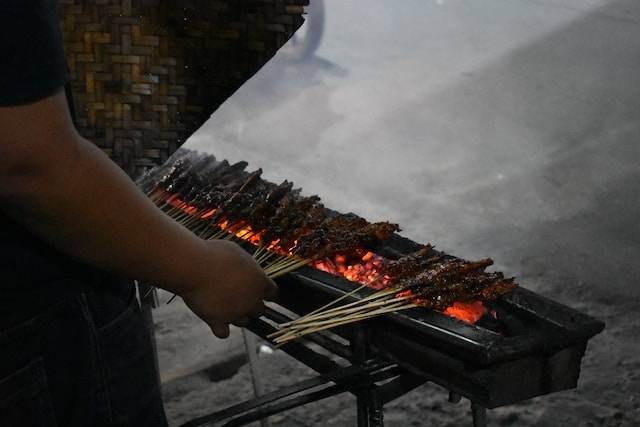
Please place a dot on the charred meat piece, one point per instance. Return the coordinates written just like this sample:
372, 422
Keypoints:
179, 169
454, 279
265, 209
158, 178
236, 197
410, 265
213, 176
278, 225
294, 221
312, 244
343, 234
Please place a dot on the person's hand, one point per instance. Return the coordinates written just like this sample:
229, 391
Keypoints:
228, 287
107, 222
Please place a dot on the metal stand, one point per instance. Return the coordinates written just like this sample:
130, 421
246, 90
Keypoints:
351, 378
479, 415
374, 382
370, 411
360, 378
372, 397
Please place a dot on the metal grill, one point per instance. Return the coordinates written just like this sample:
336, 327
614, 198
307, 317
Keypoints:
533, 346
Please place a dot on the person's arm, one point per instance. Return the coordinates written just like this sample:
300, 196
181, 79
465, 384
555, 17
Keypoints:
65, 190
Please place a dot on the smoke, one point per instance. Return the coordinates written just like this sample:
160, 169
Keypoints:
489, 128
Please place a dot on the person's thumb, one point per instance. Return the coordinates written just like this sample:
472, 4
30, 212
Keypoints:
220, 330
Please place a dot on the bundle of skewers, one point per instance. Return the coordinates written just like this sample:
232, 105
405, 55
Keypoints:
217, 200
425, 278
286, 230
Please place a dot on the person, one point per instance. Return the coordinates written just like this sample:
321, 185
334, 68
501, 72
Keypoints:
74, 350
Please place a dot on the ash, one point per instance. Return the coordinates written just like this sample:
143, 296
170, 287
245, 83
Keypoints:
502, 129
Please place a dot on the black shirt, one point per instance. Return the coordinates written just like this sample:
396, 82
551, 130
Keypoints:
33, 66
33, 60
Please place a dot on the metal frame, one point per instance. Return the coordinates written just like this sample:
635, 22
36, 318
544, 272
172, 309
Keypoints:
374, 382
545, 339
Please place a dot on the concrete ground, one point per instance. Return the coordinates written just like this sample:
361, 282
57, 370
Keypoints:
507, 129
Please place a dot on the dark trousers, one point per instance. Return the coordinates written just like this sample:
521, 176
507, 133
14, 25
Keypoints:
84, 361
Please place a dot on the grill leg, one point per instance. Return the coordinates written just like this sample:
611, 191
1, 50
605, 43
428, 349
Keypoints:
370, 407
479, 415
370, 411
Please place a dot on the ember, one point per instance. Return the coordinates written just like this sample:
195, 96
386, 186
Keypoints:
469, 312
366, 268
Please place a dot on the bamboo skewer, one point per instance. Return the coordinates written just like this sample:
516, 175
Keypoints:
217, 235
285, 260
155, 196
324, 307
365, 300
258, 252
352, 317
268, 256
189, 223
351, 311
281, 341
206, 231
262, 252
286, 267
181, 217
172, 209
301, 334
274, 268
342, 314
284, 270
282, 260
263, 256
282, 273
335, 312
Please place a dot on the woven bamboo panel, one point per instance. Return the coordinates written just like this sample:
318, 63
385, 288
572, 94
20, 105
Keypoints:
146, 74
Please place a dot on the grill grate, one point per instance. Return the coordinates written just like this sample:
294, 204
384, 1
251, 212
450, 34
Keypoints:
532, 334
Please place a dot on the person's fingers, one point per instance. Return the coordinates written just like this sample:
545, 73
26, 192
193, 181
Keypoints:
271, 291
258, 310
220, 330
